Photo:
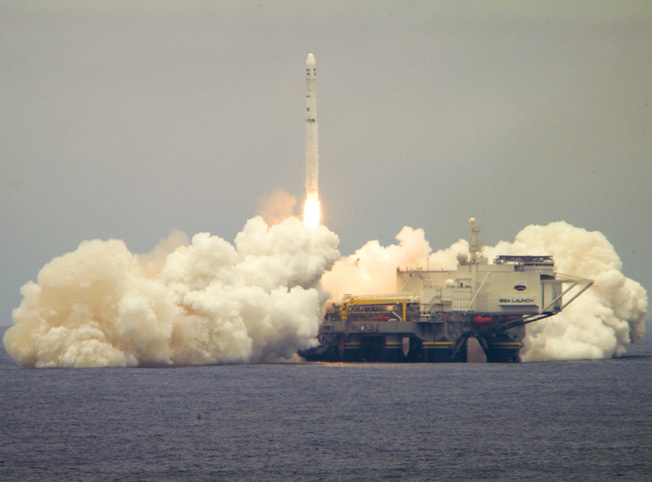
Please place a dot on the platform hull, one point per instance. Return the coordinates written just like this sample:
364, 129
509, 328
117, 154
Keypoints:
411, 342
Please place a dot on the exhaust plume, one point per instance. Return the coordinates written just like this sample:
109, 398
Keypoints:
207, 301
312, 212
603, 321
277, 207
204, 302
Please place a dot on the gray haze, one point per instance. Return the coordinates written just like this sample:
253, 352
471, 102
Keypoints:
130, 119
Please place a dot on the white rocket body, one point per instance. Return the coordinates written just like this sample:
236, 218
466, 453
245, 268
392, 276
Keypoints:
312, 145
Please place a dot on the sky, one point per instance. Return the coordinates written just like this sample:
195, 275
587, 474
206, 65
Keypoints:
128, 120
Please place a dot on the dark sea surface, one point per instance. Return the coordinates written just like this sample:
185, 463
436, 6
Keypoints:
585, 420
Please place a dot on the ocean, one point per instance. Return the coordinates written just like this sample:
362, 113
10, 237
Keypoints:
541, 421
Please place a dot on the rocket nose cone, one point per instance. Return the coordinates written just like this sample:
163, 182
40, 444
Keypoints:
310, 61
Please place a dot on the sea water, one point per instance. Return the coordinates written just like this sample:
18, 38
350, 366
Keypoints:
579, 420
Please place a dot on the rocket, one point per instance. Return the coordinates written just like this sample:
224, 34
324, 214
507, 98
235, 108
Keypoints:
312, 206
312, 160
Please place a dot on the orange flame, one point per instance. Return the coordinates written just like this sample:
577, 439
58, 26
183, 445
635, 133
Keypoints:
312, 212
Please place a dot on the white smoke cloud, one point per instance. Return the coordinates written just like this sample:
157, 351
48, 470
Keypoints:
372, 268
277, 207
599, 324
260, 299
199, 303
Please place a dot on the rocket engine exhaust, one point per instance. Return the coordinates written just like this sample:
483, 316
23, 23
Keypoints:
312, 207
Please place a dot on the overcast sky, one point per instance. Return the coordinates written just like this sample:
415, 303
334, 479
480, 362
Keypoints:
127, 119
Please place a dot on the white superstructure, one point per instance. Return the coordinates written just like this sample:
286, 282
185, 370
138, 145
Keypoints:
522, 285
